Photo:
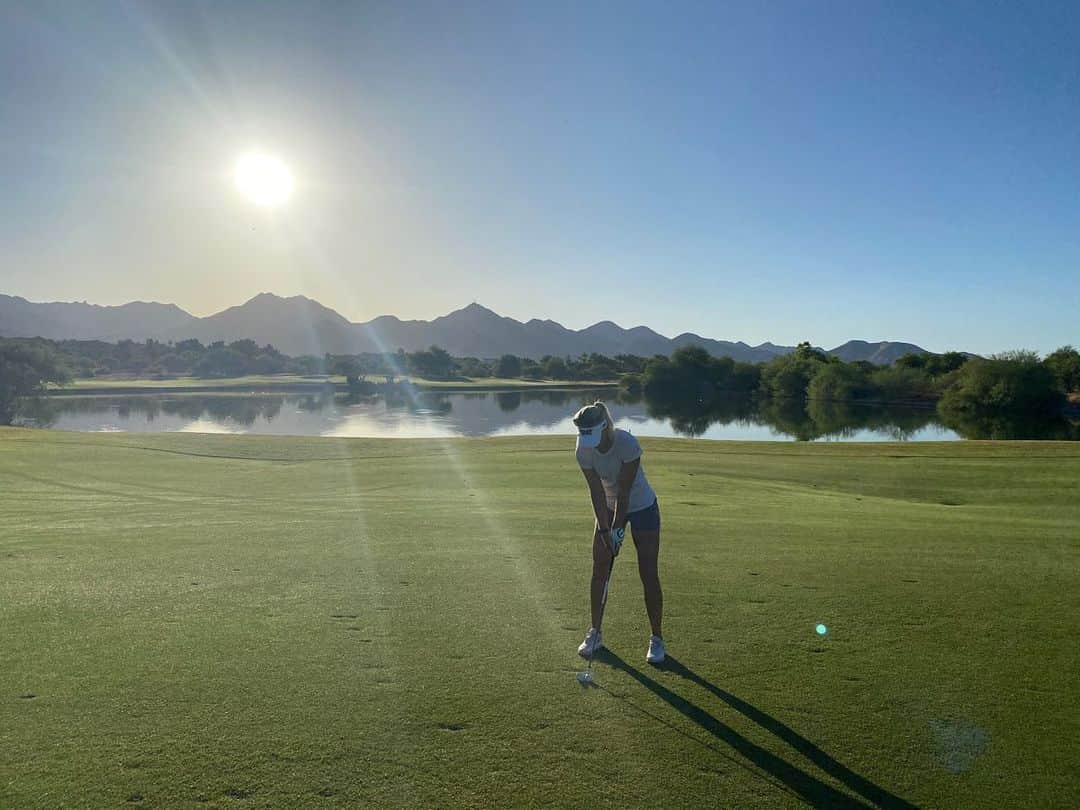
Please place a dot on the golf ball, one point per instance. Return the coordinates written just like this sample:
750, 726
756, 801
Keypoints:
821, 629
584, 677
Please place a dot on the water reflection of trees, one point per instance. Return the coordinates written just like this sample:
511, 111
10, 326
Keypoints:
795, 418
1060, 428
799, 419
692, 417
819, 419
508, 401
242, 410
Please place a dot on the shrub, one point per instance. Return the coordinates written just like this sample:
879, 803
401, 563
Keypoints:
840, 381
901, 382
1014, 384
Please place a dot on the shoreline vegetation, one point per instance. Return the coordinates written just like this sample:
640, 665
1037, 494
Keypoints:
1014, 388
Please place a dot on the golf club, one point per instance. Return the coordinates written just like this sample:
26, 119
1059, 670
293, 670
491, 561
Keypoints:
585, 678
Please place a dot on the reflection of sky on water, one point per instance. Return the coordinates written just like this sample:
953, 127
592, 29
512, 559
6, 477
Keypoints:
732, 431
427, 416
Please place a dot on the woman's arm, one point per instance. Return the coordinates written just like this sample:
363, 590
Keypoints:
627, 474
599, 499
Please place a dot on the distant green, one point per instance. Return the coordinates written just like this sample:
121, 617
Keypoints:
290, 622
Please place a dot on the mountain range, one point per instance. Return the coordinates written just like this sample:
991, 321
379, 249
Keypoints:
299, 325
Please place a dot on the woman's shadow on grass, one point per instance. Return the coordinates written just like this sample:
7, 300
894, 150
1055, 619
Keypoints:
799, 782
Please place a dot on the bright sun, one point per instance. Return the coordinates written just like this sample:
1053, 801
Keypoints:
263, 179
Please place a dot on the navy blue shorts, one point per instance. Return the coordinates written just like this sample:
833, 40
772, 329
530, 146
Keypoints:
643, 520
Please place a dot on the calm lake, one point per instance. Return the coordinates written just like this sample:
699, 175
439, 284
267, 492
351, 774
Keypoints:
480, 414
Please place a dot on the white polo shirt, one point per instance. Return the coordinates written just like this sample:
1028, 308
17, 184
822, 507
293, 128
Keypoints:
608, 465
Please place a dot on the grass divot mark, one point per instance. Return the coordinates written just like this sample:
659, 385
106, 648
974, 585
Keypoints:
27, 696
238, 793
135, 797
344, 615
451, 726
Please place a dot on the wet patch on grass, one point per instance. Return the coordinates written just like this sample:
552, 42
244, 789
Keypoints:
958, 744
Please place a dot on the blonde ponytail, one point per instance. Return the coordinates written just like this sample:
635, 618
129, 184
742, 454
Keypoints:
607, 414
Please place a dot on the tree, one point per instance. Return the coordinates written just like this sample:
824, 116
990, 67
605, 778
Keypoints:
350, 368
1065, 364
268, 362
630, 363
509, 366
246, 347
555, 368
895, 383
940, 364
387, 366
694, 375
911, 361
1015, 385
189, 345
839, 381
473, 367
530, 369
221, 362
804, 351
26, 369
174, 363
790, 374
631, 383
434, 363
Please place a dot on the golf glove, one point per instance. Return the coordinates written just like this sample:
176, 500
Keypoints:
617, 536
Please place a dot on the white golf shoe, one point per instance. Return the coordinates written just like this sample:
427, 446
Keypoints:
593, 642
656, 653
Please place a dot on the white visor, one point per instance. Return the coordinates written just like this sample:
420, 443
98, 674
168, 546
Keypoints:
591, 436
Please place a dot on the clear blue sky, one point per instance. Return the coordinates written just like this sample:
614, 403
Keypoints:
758, 171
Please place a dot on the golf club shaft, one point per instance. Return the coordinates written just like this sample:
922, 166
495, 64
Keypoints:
603, 604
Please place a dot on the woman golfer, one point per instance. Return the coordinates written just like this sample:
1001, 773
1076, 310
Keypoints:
611, 461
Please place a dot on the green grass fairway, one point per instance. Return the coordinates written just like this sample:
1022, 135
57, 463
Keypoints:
289, 622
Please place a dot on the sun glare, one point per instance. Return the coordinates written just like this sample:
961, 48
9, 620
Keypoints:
263, 179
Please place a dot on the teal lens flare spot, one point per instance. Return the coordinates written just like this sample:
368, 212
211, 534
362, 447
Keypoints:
821, 629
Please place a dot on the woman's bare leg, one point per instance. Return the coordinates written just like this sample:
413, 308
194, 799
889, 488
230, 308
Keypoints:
601, 567
648, 553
